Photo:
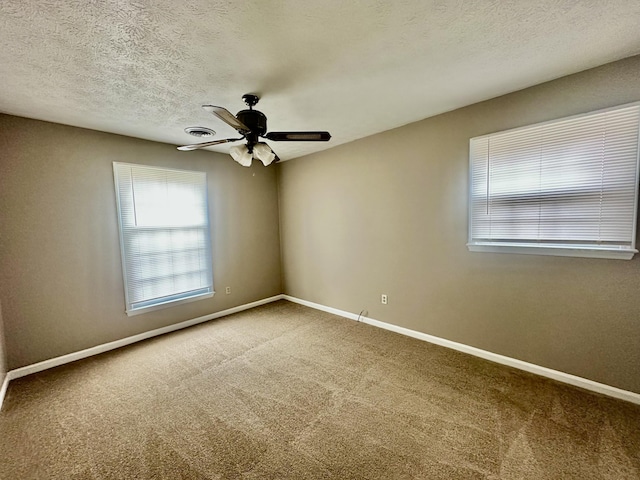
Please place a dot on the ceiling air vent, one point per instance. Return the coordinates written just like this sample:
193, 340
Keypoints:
200, 131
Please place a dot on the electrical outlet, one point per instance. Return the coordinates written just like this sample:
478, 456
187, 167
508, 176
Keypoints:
383, 299
227, 290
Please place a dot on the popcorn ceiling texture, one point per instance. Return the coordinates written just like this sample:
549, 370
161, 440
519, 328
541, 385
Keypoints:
354, 68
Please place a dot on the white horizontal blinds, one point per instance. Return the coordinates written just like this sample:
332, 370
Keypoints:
566, 182
479, 154
165, 234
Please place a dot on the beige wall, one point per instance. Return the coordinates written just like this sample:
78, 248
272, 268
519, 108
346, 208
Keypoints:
388, 214
60, 270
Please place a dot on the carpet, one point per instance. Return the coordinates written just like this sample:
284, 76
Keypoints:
283, 391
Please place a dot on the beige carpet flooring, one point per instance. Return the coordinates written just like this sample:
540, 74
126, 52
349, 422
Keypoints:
283, 391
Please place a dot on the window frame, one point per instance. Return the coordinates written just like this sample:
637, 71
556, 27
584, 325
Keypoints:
576, 249
167, 300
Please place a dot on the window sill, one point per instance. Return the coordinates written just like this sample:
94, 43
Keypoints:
555, 250
170, 303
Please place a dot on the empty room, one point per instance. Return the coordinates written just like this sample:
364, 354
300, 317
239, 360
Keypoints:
319, 240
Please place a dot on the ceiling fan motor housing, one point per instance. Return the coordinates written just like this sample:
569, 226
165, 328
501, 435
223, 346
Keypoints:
256, 121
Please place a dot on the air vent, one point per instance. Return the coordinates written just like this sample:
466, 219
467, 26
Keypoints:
200, 131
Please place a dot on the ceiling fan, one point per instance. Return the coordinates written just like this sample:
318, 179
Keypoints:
251, 125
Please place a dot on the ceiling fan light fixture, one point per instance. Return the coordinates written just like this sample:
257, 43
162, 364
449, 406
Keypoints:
263, 152
251, 125
241, 154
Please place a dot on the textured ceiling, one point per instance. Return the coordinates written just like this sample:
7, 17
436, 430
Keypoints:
143, 67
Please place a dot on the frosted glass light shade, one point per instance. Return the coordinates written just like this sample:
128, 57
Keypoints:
241, 155
263, 152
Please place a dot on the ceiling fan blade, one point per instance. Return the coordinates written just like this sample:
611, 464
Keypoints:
298, 136
186, 148
227, 117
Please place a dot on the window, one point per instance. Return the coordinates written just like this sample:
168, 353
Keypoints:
565, 187
164, 236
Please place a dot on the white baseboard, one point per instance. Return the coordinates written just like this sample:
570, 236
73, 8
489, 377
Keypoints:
105, 347
494, 357
3, 389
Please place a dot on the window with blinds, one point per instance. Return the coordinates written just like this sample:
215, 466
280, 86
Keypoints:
565, 187
164, 236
